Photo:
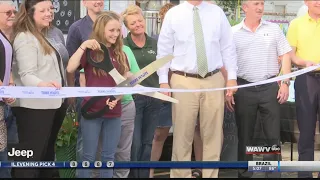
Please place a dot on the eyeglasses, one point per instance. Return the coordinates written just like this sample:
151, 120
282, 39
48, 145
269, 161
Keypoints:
10, 12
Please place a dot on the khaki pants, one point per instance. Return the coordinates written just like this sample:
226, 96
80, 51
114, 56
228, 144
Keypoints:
210, 106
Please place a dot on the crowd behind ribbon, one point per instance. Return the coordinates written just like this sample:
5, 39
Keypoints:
208, 53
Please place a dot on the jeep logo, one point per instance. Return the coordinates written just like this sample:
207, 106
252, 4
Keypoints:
18, 153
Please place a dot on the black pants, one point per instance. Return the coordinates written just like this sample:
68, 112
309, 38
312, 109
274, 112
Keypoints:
37, 131
248, 103
307, 91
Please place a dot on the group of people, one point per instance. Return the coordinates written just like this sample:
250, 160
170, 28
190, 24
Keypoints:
130, 130
208, 53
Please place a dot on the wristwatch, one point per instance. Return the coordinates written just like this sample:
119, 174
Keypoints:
285, 82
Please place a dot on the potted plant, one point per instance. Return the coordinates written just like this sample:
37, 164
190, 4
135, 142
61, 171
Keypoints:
66, 142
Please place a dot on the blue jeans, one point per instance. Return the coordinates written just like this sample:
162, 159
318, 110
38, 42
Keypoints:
79, 139
165, 115
79, 147
146, 121
12, 136
110, 129
11, 127
4, 172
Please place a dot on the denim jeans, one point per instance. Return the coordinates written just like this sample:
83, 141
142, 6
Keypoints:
146, 121
79, 147
110, 130
79, 139
12, 139
4, 172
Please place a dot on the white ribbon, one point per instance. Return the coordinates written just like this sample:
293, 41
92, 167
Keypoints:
65, 92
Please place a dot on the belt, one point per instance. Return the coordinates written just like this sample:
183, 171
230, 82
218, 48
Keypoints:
196, 75
243, 81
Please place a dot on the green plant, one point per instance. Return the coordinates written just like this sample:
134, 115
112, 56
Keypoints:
226, 5
69, 130
234, 22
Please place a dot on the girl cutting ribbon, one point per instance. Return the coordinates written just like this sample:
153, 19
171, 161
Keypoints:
107, 31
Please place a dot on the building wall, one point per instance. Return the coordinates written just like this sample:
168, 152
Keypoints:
282, 10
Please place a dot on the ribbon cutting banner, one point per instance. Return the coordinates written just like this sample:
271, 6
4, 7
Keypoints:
66, 92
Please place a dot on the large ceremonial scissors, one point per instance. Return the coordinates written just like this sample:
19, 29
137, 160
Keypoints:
131, 81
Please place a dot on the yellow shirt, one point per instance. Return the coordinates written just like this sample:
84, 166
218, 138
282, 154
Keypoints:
304, 34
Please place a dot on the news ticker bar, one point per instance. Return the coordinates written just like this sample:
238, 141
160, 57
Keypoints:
284, 166
131, 164
253, 166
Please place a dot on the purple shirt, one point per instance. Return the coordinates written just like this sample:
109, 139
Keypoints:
5, 59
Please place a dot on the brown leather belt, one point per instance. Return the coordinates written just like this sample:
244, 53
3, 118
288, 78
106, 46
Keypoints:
196, 75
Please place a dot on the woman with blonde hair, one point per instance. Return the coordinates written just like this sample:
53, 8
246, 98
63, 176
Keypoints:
107, 31
144, 49
35, 63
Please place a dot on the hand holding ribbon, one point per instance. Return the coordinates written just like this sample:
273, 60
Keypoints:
9, 101
231, 83
49, 84
111, 104
165, 86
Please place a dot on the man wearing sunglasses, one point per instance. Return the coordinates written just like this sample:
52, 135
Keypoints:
7, 15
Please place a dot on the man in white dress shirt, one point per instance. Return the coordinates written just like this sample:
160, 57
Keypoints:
199, 36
